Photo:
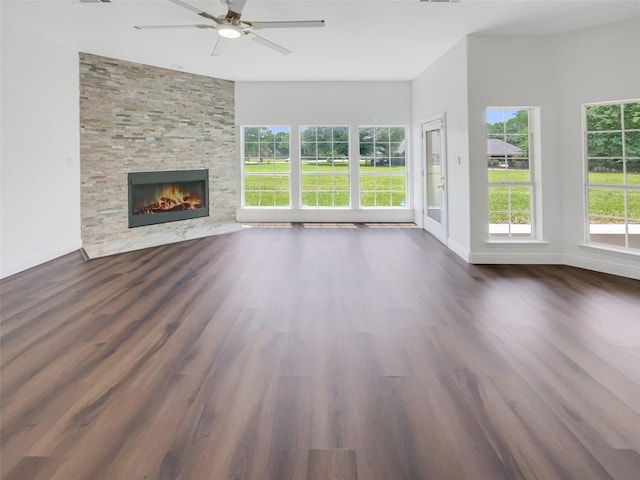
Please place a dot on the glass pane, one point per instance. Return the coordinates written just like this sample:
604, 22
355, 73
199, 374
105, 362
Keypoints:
520, 224
367, 198
633, 204
282, 199
308, 134
383, 182
341, 150
282, 149
517, 145
497, 174
604, 117
340, 134
632, 144
324, 134
325, 150
399, 199
495, 120
398, 164
309, 182
251, 199
602, 230
251, 150
308, 199
398, 183
308, 150
520, 199
367, 182
309, 166
281, 183
365, 134
606, 171
604, 144
633, 172
632, 116
498, 198
497, 218
267, 199
604, 201
341, 199
325, 183
251, 134
281, 165
383, 199
396, 134
516, 173
341, 182
517, 121
382, 135
252, 182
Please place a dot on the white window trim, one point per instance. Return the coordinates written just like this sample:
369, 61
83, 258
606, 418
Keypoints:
407, 172
242, 170
535, 174
332, 174
588, 243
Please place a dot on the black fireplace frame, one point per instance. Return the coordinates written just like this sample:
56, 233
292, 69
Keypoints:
148, 178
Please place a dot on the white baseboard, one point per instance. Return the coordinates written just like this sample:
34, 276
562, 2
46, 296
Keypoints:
518, 258
262, 215
627, 269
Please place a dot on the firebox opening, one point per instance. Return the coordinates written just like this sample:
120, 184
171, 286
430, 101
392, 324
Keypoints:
159, 197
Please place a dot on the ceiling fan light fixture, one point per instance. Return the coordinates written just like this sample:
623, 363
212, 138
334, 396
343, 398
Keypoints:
229, 31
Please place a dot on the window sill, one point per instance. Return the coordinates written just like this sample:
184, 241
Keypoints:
610, 249
525, 242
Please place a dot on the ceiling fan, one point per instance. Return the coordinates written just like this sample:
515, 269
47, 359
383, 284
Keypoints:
231, 26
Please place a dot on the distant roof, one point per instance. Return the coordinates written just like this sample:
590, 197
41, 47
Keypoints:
498, 148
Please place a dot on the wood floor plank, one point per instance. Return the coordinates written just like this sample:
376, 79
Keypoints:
309, 353
333, 464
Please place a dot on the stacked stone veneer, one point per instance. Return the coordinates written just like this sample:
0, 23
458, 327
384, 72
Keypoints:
137, 118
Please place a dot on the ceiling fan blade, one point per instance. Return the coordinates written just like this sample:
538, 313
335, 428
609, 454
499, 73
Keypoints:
159, 27
202, 13
288, 24
269, 43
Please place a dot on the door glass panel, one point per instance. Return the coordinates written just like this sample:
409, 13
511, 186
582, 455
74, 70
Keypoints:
434, 175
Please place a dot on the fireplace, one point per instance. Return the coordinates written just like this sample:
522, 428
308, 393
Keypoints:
168, 196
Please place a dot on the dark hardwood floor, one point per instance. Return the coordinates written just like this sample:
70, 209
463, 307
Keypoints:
317, 354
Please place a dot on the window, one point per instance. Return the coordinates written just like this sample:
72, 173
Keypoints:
324, 169
612, 147
266, 170
383, 171
510, 171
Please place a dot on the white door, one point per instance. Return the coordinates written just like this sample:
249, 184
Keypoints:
434, 163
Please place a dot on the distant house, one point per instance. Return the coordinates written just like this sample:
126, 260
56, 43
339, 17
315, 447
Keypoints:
501, 153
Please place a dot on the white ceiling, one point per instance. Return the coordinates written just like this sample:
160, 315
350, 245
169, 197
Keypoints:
362, 40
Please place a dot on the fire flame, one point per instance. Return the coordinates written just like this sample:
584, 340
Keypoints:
171, 197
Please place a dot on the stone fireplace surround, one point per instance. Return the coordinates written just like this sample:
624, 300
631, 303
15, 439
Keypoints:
136, 117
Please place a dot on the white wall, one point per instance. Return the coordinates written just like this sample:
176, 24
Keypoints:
443, 88
515, 72
323, 103
594, 65
40, 199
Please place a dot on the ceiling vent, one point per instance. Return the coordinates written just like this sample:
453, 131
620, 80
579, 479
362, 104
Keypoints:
94, 1
439, 1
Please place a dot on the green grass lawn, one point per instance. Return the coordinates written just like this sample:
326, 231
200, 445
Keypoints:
324, 185
327, 185
603, 202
